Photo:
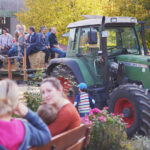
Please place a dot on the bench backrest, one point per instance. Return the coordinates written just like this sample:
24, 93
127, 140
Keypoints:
74, 139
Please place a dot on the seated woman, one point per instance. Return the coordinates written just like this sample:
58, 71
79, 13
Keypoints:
16, 134
67, 117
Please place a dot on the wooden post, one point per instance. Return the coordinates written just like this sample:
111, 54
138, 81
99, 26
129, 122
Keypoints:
9, 69
24, 65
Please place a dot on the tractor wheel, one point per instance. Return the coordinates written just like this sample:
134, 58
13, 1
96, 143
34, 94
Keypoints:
67, 80
133, 102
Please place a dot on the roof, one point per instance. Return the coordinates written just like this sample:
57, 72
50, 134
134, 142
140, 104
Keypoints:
96, 20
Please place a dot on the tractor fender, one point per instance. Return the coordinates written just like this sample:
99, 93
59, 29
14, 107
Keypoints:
70, 63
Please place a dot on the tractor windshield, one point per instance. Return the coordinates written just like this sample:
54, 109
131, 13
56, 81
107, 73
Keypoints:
122, 40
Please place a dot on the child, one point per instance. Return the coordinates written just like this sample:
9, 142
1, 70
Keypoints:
17, 134
48, 113
83, 101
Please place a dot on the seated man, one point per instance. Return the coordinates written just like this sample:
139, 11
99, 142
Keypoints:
32, 44
54, 44
44, 44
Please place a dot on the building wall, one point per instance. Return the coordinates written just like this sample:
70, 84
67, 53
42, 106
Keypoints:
7, 9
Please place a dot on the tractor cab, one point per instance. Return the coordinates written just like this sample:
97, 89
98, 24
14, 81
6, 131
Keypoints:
85, 35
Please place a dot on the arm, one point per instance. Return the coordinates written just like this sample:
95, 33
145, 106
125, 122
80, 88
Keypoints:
47, 41
10, 41
37, 132
76, 101
92, 101
36, 41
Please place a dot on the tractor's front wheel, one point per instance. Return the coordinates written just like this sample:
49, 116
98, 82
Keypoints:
133, 103
67, 80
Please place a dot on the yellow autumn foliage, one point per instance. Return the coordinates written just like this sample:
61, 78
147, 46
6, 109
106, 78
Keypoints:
60, 13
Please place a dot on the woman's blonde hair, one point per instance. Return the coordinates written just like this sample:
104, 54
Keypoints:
8, 96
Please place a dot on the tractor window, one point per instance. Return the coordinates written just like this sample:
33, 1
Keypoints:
129, 40
71, 39
122, 40
89, 41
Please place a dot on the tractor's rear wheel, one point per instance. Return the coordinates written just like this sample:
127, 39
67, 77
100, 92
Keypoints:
133, 103
67, 80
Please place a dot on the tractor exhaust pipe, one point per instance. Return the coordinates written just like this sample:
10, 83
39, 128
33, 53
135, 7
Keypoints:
104, 57
143, 37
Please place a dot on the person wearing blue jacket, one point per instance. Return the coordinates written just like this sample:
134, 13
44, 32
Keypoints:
83, 101
32, 44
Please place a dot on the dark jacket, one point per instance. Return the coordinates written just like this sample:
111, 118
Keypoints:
53, 40
33, 40
43, 42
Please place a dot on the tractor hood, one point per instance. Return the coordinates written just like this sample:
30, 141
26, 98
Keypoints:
137, 59
137, 68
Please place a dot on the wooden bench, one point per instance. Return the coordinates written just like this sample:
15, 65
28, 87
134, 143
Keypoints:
74, 139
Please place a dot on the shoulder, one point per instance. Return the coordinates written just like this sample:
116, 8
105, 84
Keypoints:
68, 110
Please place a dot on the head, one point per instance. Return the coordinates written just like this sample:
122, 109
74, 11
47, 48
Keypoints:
31, 30
48, 113
22, 29
82, 87
53, 30
43, 29
51, 90
5, 30
18, 26
8, 97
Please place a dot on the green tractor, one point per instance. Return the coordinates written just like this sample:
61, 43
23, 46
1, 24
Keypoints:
105, 53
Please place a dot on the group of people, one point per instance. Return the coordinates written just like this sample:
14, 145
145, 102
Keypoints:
55, 115
34, 42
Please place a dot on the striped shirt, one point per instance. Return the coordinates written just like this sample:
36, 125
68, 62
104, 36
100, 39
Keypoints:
84, 104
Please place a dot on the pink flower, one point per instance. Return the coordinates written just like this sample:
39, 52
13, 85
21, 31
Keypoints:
112, 114
95, 110
102, 118
122, 115
85, 120
105, 108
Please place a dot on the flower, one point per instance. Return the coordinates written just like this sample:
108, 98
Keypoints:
85, 120
102, 118
112, 114
105, 108
95, 110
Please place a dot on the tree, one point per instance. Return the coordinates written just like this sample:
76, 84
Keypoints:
58, 13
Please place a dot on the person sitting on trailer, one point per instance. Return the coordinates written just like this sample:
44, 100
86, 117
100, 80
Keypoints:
6, 42
32, 44
44, 44
54, 44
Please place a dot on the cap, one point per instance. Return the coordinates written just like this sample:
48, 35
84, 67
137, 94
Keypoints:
82, 86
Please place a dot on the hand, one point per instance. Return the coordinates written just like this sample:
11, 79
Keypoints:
21, 110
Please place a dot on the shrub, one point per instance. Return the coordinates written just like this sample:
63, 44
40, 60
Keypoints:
140, 143
33, 97
108, 131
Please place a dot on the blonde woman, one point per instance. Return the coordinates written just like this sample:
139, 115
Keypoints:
16, 134
67, 117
